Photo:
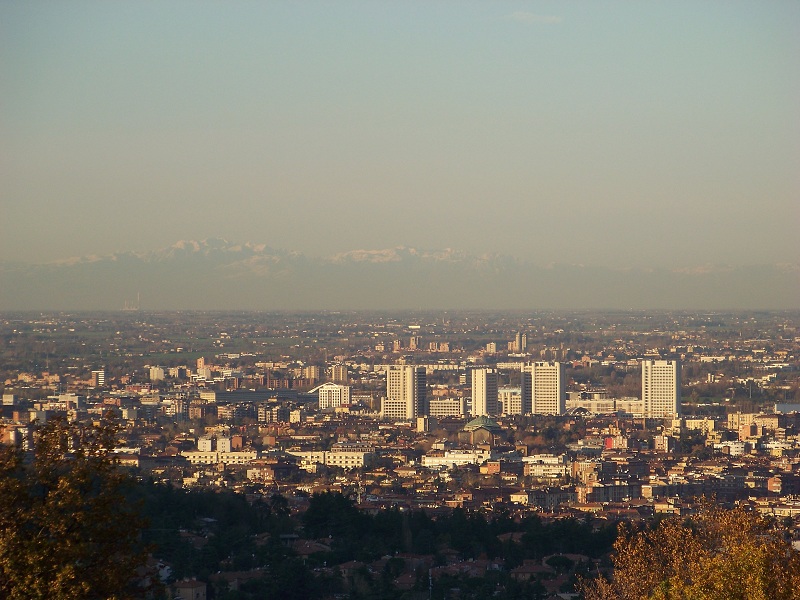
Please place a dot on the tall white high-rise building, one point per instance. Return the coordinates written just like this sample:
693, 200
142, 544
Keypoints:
484, 392
661, 388
406, 393
332, 395
543, 389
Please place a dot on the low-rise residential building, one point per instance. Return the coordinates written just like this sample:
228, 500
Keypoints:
447, 459
226, 458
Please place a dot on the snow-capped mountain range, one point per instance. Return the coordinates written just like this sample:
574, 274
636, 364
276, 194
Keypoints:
217, 274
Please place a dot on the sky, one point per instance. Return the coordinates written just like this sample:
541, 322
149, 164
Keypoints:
616, 134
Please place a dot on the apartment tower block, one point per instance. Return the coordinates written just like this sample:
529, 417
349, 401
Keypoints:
543, 389
484, 392
406, 393
661, 388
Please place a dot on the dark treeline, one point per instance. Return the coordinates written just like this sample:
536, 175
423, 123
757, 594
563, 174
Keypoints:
202, 533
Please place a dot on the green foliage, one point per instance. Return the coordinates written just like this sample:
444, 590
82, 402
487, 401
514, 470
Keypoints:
199, 532
494, 585
332, 514
202, 532
358, 536
561, 564
693, 443
566, 536
66, 530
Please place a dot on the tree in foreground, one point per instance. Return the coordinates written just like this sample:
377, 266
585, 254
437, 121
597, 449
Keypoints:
716, 555
66, 530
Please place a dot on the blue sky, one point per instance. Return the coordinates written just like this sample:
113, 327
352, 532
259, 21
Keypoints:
607, 133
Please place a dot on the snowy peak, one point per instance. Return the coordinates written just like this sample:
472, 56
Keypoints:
398, 254
209, 247
214, 273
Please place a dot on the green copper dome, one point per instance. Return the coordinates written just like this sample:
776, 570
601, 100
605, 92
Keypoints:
482, 421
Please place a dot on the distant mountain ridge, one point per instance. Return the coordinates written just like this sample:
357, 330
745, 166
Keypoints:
217, 274
220, 247
181, 249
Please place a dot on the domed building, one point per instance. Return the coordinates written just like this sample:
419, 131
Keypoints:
481, 430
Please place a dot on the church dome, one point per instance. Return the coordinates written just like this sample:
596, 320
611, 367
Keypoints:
482, 422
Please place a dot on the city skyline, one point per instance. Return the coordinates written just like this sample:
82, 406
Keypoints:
614, 135
226, 429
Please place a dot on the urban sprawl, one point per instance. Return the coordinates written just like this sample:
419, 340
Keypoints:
618, 415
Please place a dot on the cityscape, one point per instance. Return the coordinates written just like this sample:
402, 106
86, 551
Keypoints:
413, 300
562, 416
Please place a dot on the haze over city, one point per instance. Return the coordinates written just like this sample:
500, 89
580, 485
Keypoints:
644, 155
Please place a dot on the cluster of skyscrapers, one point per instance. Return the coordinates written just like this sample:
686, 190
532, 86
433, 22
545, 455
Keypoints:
542, 391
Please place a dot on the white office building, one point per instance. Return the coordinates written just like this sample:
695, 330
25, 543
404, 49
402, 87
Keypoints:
484, 392
661, 388
332, 395
543, 388
406, 393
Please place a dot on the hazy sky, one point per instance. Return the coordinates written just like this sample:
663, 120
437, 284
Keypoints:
604, 133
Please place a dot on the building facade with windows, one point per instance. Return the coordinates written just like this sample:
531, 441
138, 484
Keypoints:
332, 395
484, 392
406, 393
543, 389
661, 388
